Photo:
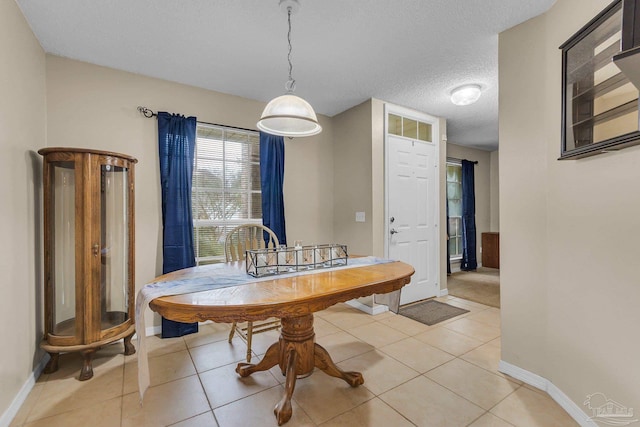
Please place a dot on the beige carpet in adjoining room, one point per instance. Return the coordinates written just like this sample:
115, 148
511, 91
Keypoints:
482, 285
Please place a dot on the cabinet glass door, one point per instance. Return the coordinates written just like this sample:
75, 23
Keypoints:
62, 247
114, 247
600, 103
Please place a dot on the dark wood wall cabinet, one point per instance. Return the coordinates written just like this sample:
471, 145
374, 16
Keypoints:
491, 250
88, 252
630, 24
628, 60
600, 100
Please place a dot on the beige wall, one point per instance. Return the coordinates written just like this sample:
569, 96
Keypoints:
443, 204
95, 107
352, 188
482, 177
377, 177
359, 177
494, 191
22, 132
569, 277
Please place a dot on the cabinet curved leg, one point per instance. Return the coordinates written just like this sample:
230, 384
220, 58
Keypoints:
129, 349
283, 410
87, 369
326, 364
52, 364
269, 360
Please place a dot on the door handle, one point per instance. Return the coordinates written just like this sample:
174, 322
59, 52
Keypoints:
393, 231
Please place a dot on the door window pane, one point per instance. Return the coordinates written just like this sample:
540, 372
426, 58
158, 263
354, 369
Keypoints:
409, 128
424, 132
395, 125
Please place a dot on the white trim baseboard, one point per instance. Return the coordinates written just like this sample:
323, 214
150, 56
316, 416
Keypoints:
26, 388
443, 292
551, 389
372, 310
523, 375
153, 330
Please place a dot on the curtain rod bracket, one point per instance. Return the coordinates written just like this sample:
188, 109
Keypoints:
146, 112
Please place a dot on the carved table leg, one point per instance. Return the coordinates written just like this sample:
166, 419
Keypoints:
129, 349
324, 362
87, 369
270, 359
297, 354
283, 410
52, 365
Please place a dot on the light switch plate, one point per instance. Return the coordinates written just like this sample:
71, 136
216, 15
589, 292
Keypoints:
360, 217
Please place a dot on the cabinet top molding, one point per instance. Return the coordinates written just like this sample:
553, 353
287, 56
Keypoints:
49, 150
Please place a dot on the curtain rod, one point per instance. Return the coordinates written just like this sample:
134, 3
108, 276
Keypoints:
150, 113
459, 160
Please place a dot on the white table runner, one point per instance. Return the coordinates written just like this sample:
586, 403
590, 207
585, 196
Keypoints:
206, 278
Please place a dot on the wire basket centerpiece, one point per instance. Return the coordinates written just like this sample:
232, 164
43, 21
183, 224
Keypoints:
281, 260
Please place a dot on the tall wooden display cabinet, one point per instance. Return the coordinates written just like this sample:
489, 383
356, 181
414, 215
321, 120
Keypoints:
88, 252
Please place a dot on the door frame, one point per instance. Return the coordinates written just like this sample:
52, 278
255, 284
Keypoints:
435, 136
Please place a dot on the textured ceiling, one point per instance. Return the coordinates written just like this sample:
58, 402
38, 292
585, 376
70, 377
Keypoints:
408, 52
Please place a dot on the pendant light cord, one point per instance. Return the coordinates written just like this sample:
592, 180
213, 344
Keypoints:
290, 86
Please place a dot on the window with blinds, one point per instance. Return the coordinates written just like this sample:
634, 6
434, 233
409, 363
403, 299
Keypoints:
226, 187
454, 200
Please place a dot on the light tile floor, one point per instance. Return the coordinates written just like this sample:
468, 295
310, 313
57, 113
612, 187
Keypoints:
415, 375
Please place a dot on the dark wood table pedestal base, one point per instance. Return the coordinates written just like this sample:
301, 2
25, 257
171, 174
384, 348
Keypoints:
297, 354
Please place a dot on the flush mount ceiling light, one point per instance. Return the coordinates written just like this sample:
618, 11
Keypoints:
465, 95
289, 115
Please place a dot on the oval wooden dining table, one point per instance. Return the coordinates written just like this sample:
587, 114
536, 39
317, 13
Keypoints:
293, 299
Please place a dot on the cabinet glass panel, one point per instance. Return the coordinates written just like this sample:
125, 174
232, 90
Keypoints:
114, 247
63, 179
600, 102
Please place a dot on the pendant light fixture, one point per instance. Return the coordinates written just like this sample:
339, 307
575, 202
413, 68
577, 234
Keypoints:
289, 115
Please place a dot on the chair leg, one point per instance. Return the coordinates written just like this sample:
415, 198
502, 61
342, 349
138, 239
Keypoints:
233, 331
249, 336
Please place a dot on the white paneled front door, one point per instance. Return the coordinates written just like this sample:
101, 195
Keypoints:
412, 214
